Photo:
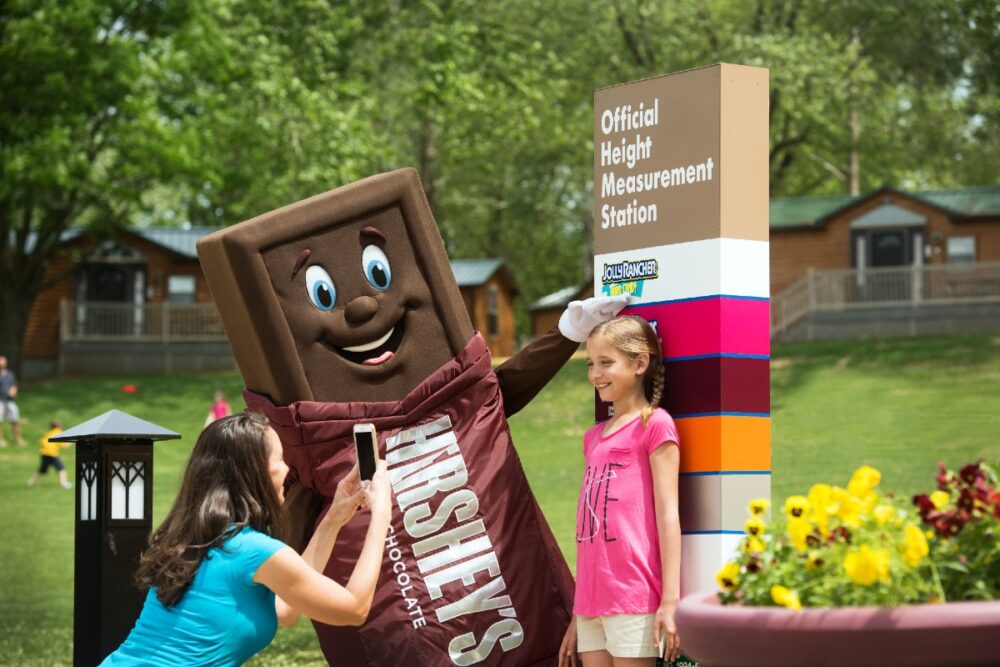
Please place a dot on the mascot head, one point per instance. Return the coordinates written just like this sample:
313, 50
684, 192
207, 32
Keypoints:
347, 296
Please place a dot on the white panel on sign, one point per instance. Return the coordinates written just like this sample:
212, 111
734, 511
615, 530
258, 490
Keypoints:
732, 267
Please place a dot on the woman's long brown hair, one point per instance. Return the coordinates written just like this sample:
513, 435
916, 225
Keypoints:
226, 487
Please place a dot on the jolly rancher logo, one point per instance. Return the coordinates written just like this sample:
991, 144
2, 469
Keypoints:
628, 276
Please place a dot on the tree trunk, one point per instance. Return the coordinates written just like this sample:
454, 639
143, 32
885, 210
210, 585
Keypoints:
853, 120
854, 166
428, 159
15, 306
587, 245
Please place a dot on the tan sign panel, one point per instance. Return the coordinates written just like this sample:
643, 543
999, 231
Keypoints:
674, 155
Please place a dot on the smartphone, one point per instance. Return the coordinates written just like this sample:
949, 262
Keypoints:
366, 446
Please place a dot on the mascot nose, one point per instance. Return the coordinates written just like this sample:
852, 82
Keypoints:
361, 309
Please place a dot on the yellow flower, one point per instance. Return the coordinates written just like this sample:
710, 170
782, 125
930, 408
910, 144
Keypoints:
821, 502
914, 545
728, 576
847, 507
759, 506
884, 514
753, 545
754, 526
814, 561
798, 530
796, 507
865, 566
867, 501
786, 597
864, 479
940, 499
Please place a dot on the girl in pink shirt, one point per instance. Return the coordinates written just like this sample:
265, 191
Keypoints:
627, 527
220, 408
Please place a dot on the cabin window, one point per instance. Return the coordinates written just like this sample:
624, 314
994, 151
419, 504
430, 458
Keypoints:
961, 249
181, 289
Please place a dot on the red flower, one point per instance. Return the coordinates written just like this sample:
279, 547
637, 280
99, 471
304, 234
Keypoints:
982, 490
129, 389
971, 472
924, 504
840, 534
966, 501
950, 523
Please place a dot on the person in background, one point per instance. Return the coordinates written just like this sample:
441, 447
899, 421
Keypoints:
220, 580
628, 534
49, 452
220, 408
8, 408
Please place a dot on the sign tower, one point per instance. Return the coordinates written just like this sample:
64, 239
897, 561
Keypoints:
681, 223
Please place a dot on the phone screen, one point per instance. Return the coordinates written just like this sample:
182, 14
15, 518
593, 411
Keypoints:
365, 444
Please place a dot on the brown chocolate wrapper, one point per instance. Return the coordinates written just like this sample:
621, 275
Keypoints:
471, 574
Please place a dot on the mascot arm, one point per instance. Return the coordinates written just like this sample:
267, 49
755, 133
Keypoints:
301, 508
523, 375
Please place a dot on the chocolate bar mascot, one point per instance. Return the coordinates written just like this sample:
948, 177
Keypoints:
343, 309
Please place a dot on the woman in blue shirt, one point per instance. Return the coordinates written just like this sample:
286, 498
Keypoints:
219, 579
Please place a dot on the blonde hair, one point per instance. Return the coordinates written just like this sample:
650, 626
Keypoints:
632, 335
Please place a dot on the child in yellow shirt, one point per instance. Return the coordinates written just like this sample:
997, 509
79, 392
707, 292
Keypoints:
50, 456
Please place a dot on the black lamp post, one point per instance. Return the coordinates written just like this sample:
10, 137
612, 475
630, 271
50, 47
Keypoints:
114, 502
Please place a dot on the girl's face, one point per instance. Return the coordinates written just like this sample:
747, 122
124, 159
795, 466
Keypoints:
615, 374
276, 465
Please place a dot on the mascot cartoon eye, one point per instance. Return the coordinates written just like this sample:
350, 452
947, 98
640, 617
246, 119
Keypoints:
320, 287
376, 266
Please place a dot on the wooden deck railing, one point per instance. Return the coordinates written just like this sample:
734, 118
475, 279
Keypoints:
149, 322
914, 286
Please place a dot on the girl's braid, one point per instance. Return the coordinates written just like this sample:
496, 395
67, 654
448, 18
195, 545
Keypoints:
657, 374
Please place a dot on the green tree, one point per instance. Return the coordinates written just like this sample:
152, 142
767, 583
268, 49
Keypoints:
80, 133
203, 111
213, 111
265, 111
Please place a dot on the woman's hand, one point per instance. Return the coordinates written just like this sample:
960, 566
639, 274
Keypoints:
664, 628
378, 494
346, 499
567, 651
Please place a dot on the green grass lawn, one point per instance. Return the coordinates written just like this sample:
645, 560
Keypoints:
900, 405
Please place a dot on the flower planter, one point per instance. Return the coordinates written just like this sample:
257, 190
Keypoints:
954, 634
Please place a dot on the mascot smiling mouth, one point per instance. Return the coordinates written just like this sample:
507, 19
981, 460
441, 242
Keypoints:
376, 352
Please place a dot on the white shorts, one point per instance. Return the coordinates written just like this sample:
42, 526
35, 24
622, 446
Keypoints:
621, 635
9, 412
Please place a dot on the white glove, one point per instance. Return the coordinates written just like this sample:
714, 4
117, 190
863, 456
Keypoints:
580, 317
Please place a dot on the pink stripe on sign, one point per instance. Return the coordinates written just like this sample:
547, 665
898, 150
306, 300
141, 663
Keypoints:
716, 325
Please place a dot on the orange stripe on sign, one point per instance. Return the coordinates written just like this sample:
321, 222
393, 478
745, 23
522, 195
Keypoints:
725, 442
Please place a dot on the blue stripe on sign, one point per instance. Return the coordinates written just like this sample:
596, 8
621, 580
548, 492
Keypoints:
718, 355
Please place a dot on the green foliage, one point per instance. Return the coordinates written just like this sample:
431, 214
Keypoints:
213, 111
